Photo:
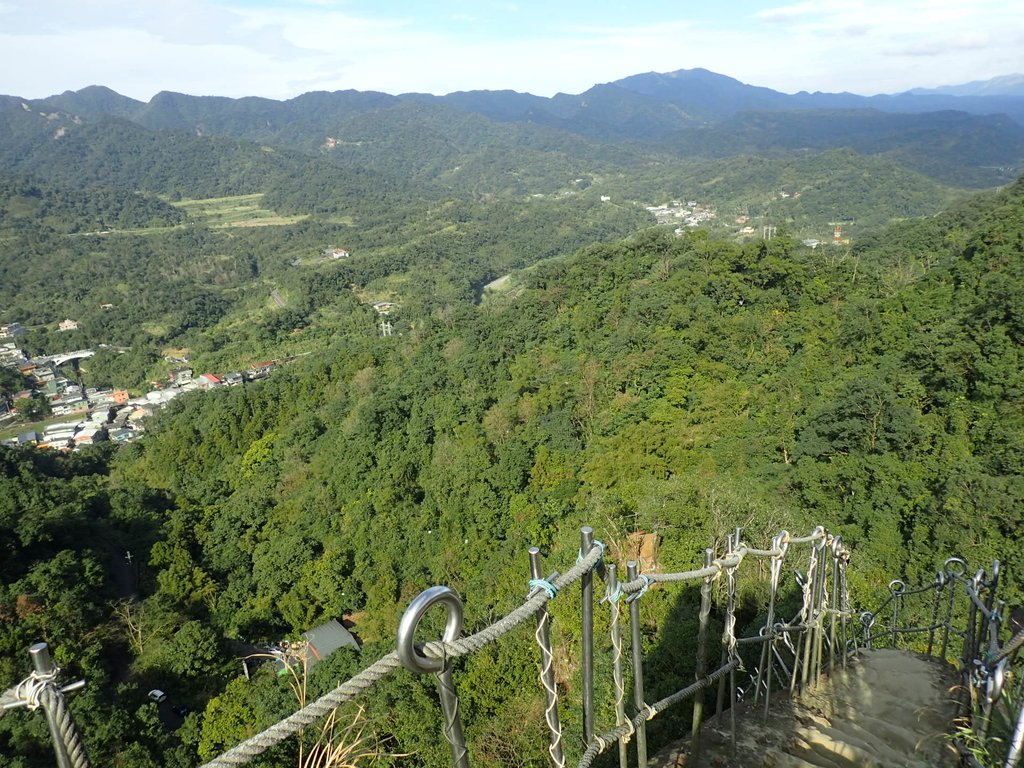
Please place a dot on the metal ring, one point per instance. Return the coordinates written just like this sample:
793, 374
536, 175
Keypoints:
411, 656
954, 572
867, 619
897, 587
836, 546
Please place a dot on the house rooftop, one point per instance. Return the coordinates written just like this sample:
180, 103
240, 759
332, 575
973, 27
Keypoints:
327, 638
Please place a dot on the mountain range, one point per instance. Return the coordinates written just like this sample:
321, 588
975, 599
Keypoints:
968, 140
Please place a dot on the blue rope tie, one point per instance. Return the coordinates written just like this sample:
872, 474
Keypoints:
544, 584
597, 543
613, 596
643, 590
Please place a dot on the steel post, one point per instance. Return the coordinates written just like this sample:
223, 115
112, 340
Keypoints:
587, 590
935, 612
702, 654
44, 667
632, 573
617, 677
414, 660
951, 594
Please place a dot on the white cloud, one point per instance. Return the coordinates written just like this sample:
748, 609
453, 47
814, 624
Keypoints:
230, 47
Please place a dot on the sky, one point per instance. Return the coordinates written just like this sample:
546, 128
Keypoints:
279, 49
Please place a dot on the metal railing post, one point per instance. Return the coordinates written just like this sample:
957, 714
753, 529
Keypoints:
587, 590
415, 661
702, 654
935, 611
632, 573
819, 610
43, 666
835, 605
617, 677
951, 572
990, 601
730, 629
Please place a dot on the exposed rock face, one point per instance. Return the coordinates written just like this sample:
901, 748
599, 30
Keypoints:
889, 709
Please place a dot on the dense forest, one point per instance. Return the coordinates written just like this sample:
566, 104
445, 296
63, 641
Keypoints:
680, 385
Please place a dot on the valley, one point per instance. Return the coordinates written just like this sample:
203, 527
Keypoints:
503, 317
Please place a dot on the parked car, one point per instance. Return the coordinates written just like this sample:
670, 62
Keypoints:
157, 695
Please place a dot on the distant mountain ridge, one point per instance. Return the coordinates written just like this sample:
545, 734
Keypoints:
1005, 85
963, 140
671, 100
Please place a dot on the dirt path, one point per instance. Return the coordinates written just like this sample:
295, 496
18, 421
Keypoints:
890, 709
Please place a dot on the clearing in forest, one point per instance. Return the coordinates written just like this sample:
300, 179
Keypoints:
235, 211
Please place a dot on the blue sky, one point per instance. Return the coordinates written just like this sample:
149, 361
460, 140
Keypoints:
280, 49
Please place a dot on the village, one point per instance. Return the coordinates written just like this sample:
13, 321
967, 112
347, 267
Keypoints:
93, 415
690, 214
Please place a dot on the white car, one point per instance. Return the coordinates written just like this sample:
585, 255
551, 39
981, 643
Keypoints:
157, 695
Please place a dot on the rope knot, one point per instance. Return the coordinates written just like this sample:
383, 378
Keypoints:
30, 690
544, 584
613, 595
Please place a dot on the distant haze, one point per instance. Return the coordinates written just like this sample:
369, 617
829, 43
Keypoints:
275, 49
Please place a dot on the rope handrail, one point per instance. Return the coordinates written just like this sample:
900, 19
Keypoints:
731, 560
278, 732
434, 657
539, 596
794, 649
1007, 650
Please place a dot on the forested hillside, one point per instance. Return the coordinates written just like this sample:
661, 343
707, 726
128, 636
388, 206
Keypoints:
200, 224
677, 385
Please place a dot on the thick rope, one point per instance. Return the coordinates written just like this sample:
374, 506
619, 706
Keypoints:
732, 560
275, 734
1013, 645
471, 643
